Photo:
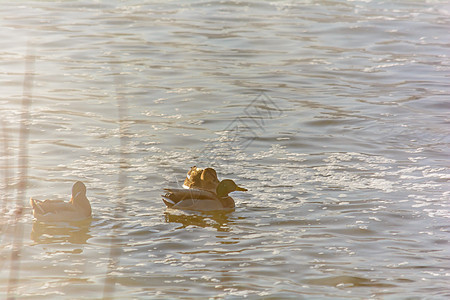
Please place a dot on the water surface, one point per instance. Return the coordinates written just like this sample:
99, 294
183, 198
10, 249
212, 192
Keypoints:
334, 114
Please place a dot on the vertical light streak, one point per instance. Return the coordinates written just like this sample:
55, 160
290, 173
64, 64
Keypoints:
114, 250
14, 271
5, 192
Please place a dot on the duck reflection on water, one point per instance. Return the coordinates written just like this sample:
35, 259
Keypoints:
61, 232
220, 221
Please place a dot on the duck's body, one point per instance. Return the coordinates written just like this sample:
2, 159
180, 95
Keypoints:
202, 179
202, 200
77, 209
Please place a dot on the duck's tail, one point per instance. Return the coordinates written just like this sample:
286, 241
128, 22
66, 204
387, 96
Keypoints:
167, 199
35, 204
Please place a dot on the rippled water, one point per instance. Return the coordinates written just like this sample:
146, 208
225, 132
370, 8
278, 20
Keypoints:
334, 114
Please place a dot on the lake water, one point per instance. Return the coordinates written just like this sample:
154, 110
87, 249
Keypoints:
333, 114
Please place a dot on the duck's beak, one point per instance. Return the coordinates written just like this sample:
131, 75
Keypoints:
238, 188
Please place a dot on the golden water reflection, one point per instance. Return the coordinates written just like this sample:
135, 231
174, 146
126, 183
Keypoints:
53, 233
219, 220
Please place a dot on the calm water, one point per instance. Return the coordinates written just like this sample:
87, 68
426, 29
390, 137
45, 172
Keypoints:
334, 114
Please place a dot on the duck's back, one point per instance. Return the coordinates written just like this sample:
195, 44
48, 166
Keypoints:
197, 200
57, 211
177, 195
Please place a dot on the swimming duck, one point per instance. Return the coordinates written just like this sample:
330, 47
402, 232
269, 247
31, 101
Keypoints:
202, 200
77, 209
203, 179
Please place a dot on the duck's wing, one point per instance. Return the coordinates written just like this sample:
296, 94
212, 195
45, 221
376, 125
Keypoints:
174, 196
199, 205
57, 211
50, 206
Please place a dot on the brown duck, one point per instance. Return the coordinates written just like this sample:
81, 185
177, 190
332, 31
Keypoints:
203, 200
202, 179
77, 209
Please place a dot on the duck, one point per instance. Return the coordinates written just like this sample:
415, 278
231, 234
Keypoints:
203, 200
77, 209
202, 179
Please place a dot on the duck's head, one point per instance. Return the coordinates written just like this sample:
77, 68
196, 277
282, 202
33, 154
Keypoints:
209, 175
194, 174
193, 170
227, 186
78, 190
